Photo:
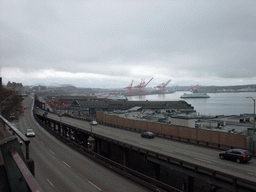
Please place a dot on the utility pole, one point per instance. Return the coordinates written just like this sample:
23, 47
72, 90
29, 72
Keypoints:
253, 112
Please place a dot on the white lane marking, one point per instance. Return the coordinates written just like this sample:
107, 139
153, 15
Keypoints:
94, 185
42, 142
52, 152
252, 173
66, 164
203, 160
50, 182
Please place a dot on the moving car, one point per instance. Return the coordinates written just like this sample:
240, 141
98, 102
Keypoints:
45, 114
238, 155
94, 122
148, 134
30, 133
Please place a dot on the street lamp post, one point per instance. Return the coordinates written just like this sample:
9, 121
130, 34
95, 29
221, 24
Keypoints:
253, 112
60, 120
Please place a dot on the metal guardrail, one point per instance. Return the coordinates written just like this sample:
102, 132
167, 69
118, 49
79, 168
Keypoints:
18, 133
20, 179
30, 179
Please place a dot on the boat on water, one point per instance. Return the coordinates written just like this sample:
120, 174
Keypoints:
195, 95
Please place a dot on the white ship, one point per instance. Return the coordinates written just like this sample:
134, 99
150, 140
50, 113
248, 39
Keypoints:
195, 95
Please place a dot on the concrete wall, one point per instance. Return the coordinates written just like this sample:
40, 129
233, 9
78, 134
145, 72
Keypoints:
200, 136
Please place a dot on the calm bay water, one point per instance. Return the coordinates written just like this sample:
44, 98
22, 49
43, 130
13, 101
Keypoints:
217, 104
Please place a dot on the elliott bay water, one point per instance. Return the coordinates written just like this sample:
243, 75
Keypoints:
218, 103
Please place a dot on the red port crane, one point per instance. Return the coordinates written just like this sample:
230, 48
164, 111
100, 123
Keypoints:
104, 99
161, 87
129, 89
141, 86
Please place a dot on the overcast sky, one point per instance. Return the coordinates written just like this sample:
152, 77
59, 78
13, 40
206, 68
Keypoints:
107, 44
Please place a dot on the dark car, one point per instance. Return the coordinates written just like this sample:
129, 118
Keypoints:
147, 134
238, 155
30, 133
45, 114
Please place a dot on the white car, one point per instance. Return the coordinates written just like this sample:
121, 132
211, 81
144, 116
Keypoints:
94, 122
30, 133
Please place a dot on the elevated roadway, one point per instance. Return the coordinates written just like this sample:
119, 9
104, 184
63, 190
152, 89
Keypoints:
202, 156
60, 168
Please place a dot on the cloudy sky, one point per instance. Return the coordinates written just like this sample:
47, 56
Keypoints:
107, 44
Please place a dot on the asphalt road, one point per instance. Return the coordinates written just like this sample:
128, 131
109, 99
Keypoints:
199, 155
60, 168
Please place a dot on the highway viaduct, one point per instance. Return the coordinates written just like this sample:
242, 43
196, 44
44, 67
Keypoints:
168, 165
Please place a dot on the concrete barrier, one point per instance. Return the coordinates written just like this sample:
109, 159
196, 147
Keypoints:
203, 137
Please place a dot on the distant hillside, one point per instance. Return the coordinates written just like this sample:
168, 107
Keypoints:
210, 89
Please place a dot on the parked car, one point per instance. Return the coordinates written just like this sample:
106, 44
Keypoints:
30, 133
238, 155
147, 134
94, 122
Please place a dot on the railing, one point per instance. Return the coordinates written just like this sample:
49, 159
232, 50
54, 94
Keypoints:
21, 178
18, 133
29, 178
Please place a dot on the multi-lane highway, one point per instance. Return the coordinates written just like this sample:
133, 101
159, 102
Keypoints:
199, 155
60, 168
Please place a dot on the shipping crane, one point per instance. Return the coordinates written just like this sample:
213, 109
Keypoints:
141, 87
105, 99
129, 89
161, 87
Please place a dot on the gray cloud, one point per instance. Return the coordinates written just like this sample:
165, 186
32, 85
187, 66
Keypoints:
109, 43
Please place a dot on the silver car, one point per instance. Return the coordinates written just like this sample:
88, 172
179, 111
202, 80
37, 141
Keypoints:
94, 122
30, 133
